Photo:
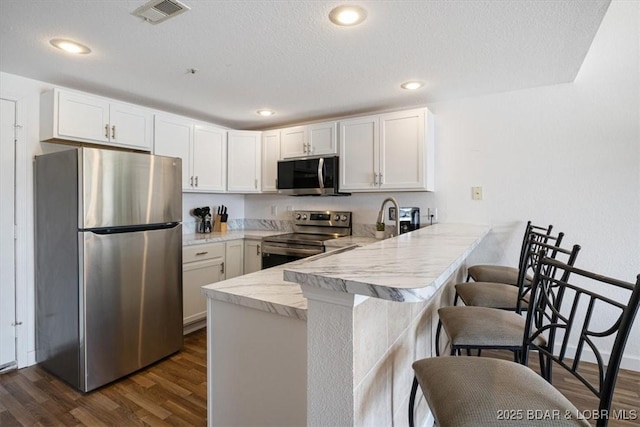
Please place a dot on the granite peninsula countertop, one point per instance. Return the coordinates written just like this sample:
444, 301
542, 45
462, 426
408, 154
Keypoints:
409, 268
267, 290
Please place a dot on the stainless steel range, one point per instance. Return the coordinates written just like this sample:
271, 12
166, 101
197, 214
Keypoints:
311, 230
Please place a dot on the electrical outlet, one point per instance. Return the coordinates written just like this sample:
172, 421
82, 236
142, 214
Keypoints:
432, 214
476, 193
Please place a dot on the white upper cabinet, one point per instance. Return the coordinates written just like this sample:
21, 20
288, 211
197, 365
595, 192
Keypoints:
76, 116
387, 152
270, 157
173, 138
244, 161
359, 154
209, 158
202, 149
311, 140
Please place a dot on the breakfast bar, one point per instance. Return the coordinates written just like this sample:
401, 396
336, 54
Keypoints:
332, 337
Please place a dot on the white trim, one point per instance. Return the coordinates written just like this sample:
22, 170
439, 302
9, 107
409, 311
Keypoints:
332, 297
23, 356
629, 361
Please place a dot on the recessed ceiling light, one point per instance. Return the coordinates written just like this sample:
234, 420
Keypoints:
412, 85
347, 15
70, 46
265, 113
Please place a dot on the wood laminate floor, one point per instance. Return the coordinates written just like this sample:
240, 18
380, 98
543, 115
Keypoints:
173, 392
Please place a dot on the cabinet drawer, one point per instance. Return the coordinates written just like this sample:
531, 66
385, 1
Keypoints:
202, 252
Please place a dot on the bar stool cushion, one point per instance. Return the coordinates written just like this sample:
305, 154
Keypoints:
480, 327
486, 294
494, 274
481, 391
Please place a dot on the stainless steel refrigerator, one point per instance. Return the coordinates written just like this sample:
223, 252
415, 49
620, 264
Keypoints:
108, 263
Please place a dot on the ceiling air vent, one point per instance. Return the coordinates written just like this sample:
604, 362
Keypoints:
157, 11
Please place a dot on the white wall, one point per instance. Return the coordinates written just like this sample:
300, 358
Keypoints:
567, 155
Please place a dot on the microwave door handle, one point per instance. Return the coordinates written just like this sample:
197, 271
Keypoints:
321, 172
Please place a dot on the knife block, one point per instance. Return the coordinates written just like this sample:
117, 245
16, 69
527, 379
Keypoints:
217, 225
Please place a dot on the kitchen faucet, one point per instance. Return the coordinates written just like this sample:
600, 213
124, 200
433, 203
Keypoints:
381, 213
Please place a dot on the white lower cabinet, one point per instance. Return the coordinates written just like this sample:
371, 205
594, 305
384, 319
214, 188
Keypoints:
234, 256
202, 264
252, 255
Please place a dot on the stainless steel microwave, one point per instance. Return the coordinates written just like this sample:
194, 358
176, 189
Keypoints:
309, 176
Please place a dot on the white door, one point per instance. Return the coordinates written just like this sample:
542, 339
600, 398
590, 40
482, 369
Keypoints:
131, 126
323, 139
234, 259
209, 158
270, 157
402, 160
84, 117
359, 154
172, 137
7, 245
293, 142
244, 161
252, 256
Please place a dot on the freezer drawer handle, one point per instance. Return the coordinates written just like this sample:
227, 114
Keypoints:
202, 253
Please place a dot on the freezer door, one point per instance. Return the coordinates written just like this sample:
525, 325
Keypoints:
122, 188
132, 285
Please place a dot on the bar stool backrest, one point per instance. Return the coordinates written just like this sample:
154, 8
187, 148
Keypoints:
561, 309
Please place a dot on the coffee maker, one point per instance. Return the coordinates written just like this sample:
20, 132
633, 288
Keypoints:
409, 219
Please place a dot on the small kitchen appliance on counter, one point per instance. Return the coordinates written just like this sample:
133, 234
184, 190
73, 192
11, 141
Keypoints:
312, 229
409, 219
203, 224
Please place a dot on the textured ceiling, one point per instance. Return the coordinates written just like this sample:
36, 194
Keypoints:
287, 56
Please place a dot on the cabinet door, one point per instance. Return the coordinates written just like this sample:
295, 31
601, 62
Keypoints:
130, 126
209, 158
359, 154
83, 117
194, 276
252, 256
402, 141
173, 138
270, 157
293, 142
234, 259
323, 139
244, 161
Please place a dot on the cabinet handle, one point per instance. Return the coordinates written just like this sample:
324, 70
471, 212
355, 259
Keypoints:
380, 179
375, 178
255, 184
257, 249
191, 181
106, 131
222, 268
113, 132
196, 180
202, 253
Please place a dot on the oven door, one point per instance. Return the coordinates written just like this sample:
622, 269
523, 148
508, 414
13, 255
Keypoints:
281, 253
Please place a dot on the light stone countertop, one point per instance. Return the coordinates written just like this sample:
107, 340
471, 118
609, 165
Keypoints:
410, 267
266, 290
199, 239
342, 242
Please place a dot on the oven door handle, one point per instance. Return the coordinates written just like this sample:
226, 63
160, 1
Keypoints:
275, 250
321, 172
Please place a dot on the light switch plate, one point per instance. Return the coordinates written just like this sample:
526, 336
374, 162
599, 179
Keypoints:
476, 193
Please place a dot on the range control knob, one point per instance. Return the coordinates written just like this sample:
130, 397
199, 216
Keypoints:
297, 216
343, 217
336, 218
304, 216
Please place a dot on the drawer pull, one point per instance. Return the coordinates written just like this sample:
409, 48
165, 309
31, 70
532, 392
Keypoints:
202, 253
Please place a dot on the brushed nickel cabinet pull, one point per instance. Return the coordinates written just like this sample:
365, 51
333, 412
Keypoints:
106, 131
113, 132
202, 253
222, 268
